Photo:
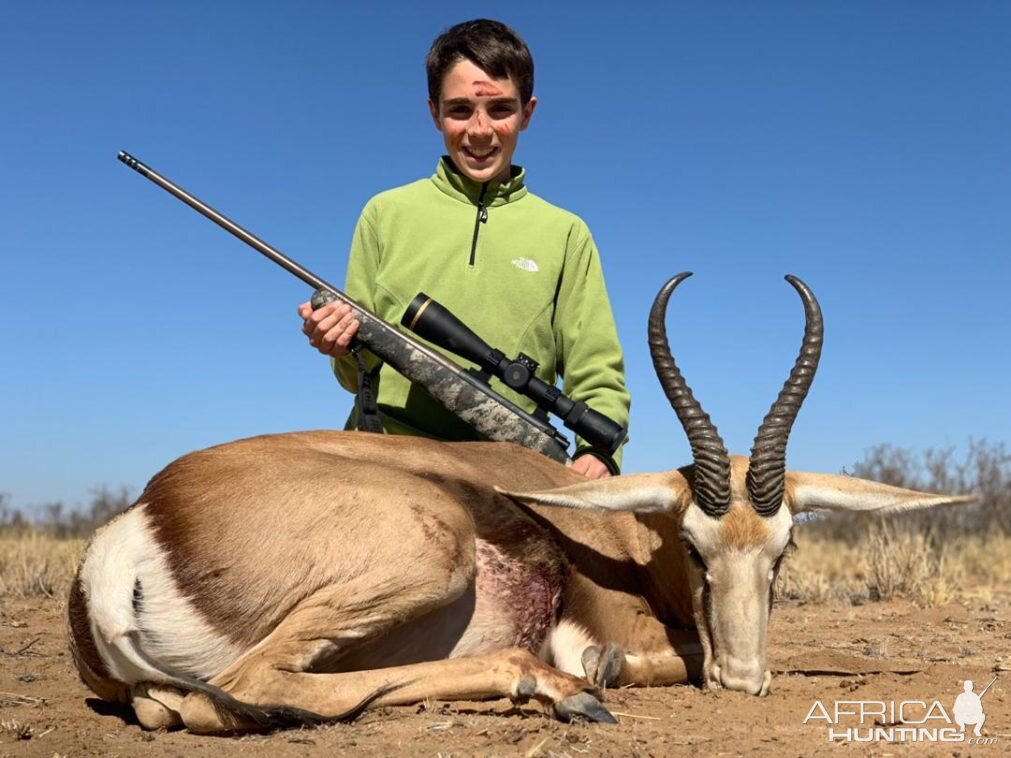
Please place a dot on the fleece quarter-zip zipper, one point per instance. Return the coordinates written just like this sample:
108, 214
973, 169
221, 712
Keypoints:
482, 218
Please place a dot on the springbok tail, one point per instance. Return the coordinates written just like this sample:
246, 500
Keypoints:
266, 717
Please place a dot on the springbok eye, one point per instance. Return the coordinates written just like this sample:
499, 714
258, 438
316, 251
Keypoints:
693, 554
790, 549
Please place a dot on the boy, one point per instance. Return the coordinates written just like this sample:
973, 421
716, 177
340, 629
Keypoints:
523, 274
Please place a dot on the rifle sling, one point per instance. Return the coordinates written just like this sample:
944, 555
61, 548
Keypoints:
365, 400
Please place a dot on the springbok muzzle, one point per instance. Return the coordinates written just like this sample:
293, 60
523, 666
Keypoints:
742, 675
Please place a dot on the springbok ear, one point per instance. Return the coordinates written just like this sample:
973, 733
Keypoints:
639, 493
828, 492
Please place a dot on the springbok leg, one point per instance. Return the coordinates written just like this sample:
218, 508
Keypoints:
157, 706
513, 673
678, 661
280, 673
609, 665
654, 654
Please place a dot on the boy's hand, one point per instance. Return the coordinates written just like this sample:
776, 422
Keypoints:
591, 467
329, 328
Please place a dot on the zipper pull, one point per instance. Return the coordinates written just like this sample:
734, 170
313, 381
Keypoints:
482, 209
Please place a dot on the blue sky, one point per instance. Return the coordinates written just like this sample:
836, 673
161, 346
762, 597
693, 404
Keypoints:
862, 146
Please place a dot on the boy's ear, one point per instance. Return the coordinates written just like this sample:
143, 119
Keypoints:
433, 109
528, 112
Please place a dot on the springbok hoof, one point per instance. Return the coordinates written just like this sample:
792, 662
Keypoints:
583, 706
602, 666
526, 688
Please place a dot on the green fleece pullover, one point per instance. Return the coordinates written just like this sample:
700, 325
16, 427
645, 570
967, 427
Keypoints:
522, 273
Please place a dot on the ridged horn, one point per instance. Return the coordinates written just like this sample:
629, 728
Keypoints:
712, 463
767, 466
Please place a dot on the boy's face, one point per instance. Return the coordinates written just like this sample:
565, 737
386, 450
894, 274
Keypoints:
480, 119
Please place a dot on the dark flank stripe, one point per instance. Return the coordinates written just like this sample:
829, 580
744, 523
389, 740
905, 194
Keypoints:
90, 665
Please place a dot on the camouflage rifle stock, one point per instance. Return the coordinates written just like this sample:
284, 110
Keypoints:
463, 395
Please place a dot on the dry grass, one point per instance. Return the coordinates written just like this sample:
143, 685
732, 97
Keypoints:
35, 564
890, 562
15, 731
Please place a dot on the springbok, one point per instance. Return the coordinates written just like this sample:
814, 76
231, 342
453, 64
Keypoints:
304, 577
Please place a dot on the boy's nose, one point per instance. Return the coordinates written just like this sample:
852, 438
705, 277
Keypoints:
479, 125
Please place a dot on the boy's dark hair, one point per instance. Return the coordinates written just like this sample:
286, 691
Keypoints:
491, 46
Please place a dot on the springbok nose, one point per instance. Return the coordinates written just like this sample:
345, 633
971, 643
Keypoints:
742, 676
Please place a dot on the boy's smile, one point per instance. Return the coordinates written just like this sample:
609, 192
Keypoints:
480, 119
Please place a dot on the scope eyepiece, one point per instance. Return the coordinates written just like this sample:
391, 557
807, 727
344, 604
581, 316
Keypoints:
435, 323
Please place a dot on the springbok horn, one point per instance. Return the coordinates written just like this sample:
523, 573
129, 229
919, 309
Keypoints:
767, 466
712, 463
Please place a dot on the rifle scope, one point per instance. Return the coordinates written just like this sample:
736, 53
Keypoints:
435, 323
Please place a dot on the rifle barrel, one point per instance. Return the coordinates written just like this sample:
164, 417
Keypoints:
227, 224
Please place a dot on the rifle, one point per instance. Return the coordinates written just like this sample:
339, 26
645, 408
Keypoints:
459, 391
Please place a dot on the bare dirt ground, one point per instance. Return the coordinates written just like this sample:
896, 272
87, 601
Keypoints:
833, 652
